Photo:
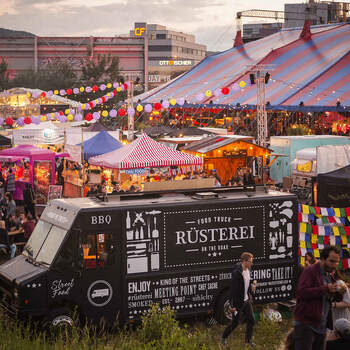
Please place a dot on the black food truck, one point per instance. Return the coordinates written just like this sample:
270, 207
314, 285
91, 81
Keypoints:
112, 259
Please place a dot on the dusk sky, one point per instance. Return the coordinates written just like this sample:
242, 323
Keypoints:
211, 21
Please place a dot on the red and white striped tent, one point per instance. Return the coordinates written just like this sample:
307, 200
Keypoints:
144, 152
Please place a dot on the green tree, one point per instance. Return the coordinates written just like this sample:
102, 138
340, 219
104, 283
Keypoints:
4, 76
104, 67
55, 75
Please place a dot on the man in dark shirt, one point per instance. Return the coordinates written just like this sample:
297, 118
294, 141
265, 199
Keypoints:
315, 289
341, 338
28, 226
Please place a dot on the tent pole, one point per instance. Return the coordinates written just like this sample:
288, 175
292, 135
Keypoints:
82, 160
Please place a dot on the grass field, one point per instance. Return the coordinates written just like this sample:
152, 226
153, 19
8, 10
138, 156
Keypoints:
159, 330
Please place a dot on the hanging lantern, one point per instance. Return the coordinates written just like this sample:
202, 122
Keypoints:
104, 113
43, 94
121, 112
69, 91
81, 89
173, 101
43, 118
88, 117
9, 121
208, 93
157, 106
95, 88
109, 85
91, 104
55, 92
225, 90
139, 108
242, 84
70, 117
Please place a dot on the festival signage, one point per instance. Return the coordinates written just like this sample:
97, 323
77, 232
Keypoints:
209, 238
38, 136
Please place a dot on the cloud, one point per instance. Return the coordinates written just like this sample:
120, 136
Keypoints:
212, 21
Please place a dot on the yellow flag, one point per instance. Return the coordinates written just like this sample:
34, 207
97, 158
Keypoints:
302, 244
336, 231
316, 253
305, 209
303, 227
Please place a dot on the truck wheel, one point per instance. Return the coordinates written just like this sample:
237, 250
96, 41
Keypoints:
59, 320
222, 312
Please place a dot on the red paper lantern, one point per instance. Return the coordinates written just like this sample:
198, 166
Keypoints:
157, 106
95, 88
88, 117
125, 86
61, 113
43, 94
27, 120
91, 104
121, 112
9, 121
103, 99
114, 92
69, 91
225, 90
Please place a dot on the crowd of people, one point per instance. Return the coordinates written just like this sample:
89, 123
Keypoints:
16, 225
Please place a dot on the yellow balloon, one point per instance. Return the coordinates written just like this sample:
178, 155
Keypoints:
173, 101
119, 89
208, 93
70, 117
83, 106
43, 118
55, 92
52, 115
96, 101
109, 85
242, 84
139, 108
81, 89
109, 94
67, 111
29, 94
104, 113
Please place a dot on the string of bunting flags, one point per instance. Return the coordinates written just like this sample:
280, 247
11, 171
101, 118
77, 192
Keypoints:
320, 227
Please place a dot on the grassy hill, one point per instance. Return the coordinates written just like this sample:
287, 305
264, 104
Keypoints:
8, 32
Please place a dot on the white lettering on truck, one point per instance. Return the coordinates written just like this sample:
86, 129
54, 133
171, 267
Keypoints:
100, 219
194, 236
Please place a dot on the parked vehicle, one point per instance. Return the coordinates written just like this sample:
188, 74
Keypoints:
112, 259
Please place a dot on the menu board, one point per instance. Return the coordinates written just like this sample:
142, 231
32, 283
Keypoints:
42, 177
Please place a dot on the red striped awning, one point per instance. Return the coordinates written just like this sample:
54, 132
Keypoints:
144, 153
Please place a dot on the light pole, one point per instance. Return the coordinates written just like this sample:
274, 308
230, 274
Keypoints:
131, 124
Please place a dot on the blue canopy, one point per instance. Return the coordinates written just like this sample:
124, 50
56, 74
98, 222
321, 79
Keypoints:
100, 144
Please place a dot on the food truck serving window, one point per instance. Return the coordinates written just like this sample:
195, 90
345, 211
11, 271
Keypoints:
44, 242
98, 250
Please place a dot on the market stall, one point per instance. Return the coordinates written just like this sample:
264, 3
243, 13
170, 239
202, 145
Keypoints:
227, 154
74, 178
143, 154
101, 143
37, 168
